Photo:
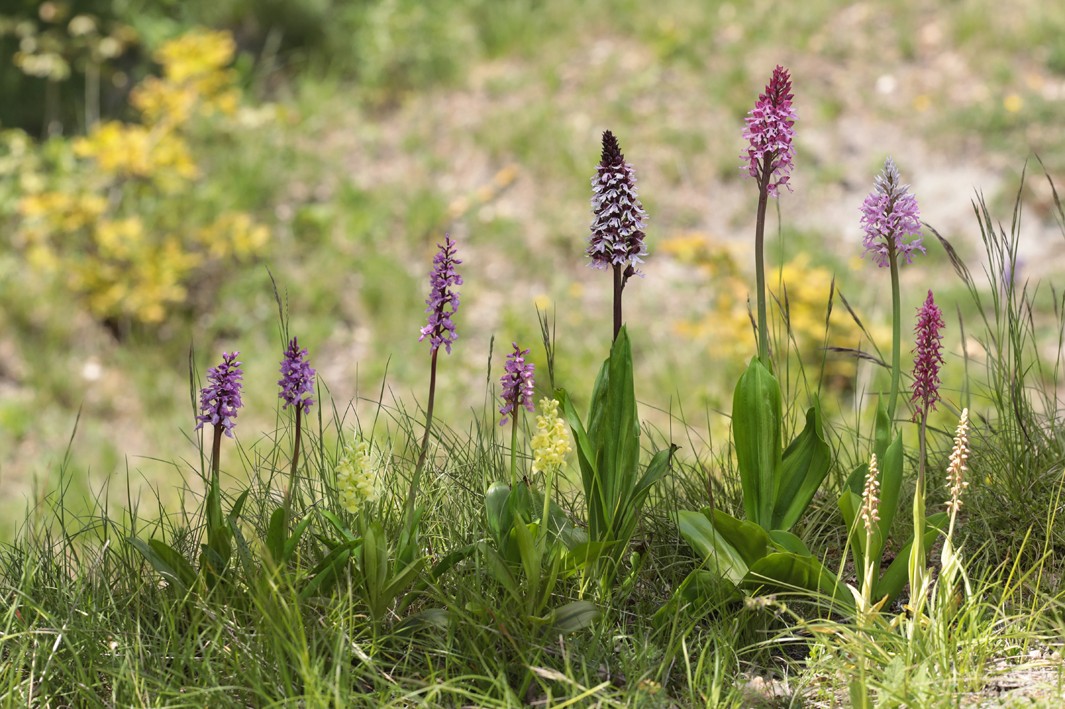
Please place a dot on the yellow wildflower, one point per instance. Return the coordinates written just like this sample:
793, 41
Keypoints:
196, 54
551, 442
130, 150
233, 233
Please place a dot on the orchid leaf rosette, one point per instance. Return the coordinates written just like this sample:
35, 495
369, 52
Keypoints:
615, 482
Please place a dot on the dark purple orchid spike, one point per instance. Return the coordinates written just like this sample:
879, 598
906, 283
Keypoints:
617, 229
770, 133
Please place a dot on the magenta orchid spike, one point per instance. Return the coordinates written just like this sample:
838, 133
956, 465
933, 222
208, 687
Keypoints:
770, 131
927, 357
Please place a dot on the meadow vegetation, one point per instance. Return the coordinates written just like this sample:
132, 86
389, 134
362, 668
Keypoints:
743, 461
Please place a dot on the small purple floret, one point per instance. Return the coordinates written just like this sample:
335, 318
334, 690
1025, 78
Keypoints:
770, 130
927, 357
617, 230
517, 384
889, 217
297, 378
443, 300
220, 399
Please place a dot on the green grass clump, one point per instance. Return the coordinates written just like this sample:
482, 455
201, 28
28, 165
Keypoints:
349, 612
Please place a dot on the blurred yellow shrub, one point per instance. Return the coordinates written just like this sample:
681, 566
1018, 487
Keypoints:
121, 213
799, 292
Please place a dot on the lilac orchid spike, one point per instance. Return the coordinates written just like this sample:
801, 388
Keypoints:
297, 378
618, 228
770, 132
517, 383
927, 357
443, 300
220, 399
890, 218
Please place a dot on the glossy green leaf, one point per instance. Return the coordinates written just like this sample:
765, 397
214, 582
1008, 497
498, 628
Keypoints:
804, 465
500, 571
698, 594
787, 572
238, 507
325, 574
750, 540
428, 619
338, 526
720, 556
789, 542
849, 504
168, 562
891, 466
572, 617
294, 539
756, 417
495, 501
530, 554
608, 452
399, 583
275, 535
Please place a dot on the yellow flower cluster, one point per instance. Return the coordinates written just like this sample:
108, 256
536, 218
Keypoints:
806, 289
124, 223
357, 474
134, 274
195, 80
551, 442
233, 234
126, 150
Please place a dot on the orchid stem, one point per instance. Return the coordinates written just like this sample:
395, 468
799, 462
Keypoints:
416, 480
295, 464
759, 265
896, 334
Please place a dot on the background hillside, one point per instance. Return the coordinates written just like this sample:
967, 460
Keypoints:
332, 144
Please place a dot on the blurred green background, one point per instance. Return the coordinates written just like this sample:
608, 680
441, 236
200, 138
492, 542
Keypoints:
159, 160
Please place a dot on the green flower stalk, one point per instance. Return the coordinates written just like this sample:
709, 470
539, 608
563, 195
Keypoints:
956, 469
870, 514
951, 568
